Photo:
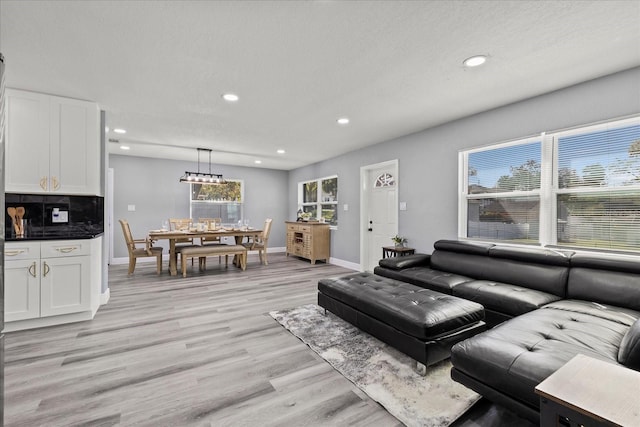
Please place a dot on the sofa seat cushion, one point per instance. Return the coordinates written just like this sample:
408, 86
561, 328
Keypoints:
418, 312
503, 297
425, 277
515, 356
629, 354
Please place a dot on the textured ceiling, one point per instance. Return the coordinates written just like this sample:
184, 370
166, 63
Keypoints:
393, 67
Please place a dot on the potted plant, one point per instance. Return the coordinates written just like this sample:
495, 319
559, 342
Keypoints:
399, 241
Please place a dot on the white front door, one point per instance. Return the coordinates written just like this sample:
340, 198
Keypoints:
379, 220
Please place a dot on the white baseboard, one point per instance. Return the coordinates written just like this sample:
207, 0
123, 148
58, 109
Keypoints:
346, 264
335, 261
104, 297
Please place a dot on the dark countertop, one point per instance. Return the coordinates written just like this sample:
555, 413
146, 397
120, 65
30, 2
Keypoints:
54, 237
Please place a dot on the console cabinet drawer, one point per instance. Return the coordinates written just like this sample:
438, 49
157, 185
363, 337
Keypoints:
309, 240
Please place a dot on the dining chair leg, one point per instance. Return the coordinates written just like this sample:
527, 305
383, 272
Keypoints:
159, 264
132, 265
184, 265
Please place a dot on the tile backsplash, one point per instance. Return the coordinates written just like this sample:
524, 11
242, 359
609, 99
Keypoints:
56, 216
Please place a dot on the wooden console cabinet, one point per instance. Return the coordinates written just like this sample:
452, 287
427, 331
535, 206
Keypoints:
310, 240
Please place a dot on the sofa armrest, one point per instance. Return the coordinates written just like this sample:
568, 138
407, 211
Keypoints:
629, 353
402, 262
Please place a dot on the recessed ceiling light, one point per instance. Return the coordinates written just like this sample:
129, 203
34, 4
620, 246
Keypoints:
125, 147
343, 121
117, 130
257, 162
230, 97
281, 151
474, 61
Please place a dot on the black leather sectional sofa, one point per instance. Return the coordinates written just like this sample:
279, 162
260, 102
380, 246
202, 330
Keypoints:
545, 306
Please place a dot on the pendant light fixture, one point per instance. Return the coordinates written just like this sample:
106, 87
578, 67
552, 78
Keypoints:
203, 177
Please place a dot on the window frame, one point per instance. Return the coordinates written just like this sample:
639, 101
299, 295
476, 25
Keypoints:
463, 180
319, 202
549, 183
218, 202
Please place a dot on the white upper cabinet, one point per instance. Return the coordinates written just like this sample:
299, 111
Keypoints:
27, 147
53, 144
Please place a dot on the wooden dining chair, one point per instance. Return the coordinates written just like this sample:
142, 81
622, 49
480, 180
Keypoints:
136, 252
182, 224
211, 224
259, 243
205, 241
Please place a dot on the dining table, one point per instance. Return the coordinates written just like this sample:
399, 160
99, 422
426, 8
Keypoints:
172, 235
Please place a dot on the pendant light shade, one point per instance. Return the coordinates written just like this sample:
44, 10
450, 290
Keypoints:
203, 177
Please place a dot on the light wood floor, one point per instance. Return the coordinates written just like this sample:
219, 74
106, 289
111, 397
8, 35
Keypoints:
168, 351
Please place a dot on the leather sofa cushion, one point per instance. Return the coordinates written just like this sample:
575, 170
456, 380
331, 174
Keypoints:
629, 354
604, 286
542, 277
532, 255
503, 297
425, 277
401, 262
463, 246
614, 262
419, 312
518, 354
461, 263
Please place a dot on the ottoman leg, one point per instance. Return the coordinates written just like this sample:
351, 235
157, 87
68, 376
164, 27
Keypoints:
421, 369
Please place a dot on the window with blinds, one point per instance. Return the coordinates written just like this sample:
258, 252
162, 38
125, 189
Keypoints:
503, 192
218, 201
579, 188
598, 187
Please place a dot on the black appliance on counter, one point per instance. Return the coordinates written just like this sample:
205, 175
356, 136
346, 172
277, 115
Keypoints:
55, 217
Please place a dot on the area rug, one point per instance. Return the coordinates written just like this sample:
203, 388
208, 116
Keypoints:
383, 373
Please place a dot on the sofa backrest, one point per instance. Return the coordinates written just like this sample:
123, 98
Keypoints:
545, 270
460, 257
606, 279
542, 269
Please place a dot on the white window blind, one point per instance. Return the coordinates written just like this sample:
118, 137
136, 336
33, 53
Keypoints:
503, 192
578, 188
598, 187
218, 201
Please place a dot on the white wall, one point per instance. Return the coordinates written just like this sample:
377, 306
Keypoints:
428, 160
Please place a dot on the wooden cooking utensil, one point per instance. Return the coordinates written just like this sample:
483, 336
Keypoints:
12, 213
19, 215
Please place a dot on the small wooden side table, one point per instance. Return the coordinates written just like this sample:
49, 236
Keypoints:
392, 251
590, 392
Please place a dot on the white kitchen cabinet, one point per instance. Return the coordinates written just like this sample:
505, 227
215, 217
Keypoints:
51, 282
53, 144
21, 281
64, 282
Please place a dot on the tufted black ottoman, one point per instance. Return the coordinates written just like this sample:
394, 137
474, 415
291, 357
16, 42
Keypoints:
419, 322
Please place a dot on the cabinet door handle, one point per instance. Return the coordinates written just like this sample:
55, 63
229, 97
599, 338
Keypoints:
32, 269
67, 249
46, 269
43, 183
15, 252
56, 184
